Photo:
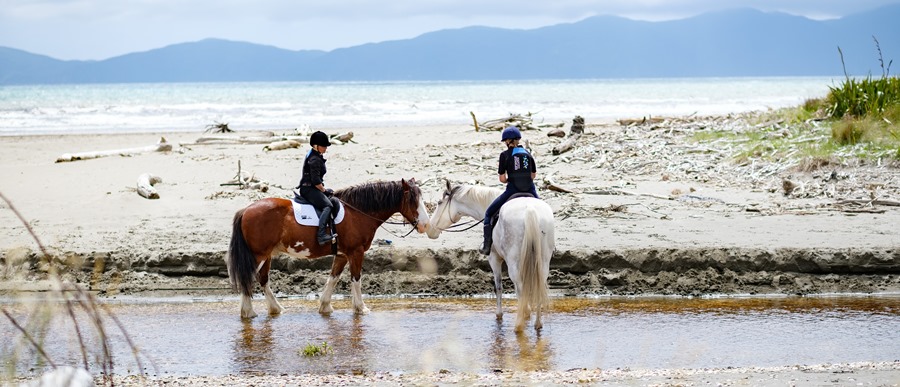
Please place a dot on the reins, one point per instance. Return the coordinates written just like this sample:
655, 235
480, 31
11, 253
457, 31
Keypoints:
414, 224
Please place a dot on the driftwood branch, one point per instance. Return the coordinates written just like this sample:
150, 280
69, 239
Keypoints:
566, 145
145, 183
245, 179
891, 203
551, 185
161, 146
612, 191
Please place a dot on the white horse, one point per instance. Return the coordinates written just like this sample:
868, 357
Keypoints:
523, 238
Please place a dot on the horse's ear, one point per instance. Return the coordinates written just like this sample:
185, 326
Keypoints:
448, 184
405, 185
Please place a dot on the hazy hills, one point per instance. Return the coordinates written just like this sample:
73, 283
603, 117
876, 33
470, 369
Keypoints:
740, 42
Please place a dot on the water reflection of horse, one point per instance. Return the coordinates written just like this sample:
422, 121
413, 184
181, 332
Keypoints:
523, 238
268, 227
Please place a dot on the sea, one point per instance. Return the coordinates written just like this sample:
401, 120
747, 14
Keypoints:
187, 107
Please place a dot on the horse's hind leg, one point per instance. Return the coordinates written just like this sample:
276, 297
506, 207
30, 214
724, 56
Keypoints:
497, 268
274, 307
247, 307
337, 267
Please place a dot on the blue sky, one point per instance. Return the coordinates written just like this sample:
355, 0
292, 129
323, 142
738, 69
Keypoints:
100, 29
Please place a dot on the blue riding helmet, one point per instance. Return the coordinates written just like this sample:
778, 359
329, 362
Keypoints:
511, 133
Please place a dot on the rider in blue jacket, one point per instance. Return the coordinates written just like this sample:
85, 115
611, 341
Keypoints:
517, 169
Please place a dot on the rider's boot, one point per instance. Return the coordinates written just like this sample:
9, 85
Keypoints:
322, 235
488, 240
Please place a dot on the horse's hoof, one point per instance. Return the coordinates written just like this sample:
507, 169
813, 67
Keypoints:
252, 314
363, 310
326, 309
276, 311
499, 316
538, 326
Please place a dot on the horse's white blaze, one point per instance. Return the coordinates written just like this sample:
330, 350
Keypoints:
424, 220
297, 251
325, 300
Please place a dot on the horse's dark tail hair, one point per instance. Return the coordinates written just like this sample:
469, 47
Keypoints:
240, 259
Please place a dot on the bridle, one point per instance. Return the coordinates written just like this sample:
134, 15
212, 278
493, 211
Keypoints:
453, 226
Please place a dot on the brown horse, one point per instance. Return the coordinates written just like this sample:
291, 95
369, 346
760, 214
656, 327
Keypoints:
268, 227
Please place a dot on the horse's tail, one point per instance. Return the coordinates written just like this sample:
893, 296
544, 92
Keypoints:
241, 260
534, 278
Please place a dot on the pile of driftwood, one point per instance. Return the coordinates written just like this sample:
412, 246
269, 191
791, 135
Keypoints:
271, 140
668, 149
523, 122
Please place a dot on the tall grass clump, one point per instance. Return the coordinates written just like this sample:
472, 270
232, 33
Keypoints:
56, 329
866, 109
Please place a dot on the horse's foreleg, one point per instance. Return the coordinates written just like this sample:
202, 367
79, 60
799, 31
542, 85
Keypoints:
359, 307
497, 268
337, 267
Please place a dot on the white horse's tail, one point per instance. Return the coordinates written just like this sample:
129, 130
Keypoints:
534, 291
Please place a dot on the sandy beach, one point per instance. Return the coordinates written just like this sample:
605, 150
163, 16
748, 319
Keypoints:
689, 210
650, 212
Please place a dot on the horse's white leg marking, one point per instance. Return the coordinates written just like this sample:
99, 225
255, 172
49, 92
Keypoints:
497, 268
359, 307
325, 301
274, 306
247, 307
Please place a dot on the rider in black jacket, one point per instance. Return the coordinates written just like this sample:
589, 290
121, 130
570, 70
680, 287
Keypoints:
312, 184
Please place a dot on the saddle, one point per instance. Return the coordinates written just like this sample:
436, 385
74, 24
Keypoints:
307, 215
516, 195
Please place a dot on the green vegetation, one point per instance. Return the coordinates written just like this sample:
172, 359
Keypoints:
857, 119
316, 350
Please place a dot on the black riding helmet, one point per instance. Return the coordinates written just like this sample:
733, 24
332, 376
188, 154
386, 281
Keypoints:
319, 138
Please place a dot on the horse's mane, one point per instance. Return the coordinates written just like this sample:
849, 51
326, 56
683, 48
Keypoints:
481, 194
378, 196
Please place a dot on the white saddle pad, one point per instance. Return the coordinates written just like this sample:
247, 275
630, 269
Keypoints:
306, 214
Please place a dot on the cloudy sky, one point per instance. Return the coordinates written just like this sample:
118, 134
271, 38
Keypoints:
100, 29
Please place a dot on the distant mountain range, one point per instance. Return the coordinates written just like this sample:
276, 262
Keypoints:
741, 42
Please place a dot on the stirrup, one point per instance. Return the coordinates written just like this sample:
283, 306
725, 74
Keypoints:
329, 239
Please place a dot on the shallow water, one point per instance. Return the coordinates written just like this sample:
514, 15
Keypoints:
206, 336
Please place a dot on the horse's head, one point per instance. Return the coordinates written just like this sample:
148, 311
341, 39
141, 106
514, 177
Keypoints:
446, 213
412, 206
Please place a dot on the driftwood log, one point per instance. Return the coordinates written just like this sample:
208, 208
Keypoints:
577, 126
161, 146
145, 183
342, 138
281, 145
566, 145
